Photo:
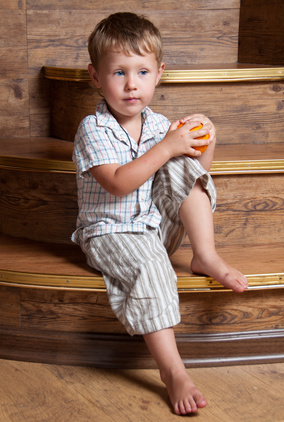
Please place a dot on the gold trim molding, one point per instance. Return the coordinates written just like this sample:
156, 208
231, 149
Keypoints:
229, 73
218, 167
95, 283
36, 164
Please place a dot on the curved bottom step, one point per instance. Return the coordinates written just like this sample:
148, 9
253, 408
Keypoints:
124, 352
72, 323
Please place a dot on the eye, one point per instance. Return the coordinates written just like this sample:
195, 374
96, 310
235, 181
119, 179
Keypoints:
143, 72
119, 73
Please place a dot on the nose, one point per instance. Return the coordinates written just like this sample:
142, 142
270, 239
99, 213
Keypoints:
130, 83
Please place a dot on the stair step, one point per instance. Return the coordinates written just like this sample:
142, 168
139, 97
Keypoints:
31, 263
52, 154
47, 200
210, 73
54, 309
245, 98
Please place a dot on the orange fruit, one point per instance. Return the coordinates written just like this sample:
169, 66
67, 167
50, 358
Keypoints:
202, 148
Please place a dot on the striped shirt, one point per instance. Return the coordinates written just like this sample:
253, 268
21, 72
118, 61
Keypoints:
101, 140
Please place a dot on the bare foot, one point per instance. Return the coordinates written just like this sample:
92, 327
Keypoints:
184, 395
216, 267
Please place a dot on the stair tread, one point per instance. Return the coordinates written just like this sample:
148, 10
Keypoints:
67, 261
54, 154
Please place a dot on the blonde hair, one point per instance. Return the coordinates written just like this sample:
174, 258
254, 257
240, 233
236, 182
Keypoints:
127, 32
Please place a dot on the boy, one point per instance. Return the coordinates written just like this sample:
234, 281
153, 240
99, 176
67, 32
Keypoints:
139, 194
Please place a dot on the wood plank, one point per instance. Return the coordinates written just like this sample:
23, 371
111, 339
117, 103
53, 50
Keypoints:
108, 5
14, 98
44, 202
15, 59
241, 383
255, 110
216, 44
8, 125
123, 351
48, 148
202, 313
67, 260
13, 4
224, 312
261, 34
86, 393
13, 33
47, 203
251, 215
30, 403
10, 315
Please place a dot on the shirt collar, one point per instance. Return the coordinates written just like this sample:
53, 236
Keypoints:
149, 128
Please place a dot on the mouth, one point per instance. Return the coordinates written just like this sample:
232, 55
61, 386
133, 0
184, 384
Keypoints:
131, 100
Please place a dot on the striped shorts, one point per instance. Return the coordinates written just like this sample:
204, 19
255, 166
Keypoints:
139, 277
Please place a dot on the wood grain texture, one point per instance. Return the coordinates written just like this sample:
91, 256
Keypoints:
35, 392
69, 260
202, 313
48, 148
123, 351
108, 5
254, 110
38, 205
261, 35
10, 315
250, 209
38, 33
13, 4
47, 206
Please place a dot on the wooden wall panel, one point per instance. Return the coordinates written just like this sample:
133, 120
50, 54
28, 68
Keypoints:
14, 91
12, 4
39, 107
14, 108
199, 37
15, 27
14, 63
262, 32
147, 5
55, 34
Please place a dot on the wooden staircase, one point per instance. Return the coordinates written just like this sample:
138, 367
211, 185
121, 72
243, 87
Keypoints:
55, 309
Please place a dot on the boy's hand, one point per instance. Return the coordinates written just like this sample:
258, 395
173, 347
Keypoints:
180, 140
206, 123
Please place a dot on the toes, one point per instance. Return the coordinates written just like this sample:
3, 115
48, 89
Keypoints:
185, 407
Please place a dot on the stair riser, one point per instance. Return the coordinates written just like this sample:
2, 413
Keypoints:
38, 206
79, 328
250, 209
242, 112
43, 206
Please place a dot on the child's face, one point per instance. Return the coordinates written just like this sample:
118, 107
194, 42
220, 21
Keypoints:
127, 82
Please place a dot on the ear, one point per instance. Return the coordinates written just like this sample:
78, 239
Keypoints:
94, 75
160, 72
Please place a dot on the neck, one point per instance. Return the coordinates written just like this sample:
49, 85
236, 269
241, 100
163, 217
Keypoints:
133, 127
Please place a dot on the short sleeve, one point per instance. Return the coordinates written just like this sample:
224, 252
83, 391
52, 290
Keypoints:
93, 146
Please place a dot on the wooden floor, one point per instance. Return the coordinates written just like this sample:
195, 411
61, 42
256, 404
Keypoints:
33, 392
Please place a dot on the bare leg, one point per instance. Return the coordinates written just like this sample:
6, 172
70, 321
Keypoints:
184, 396
196, 216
